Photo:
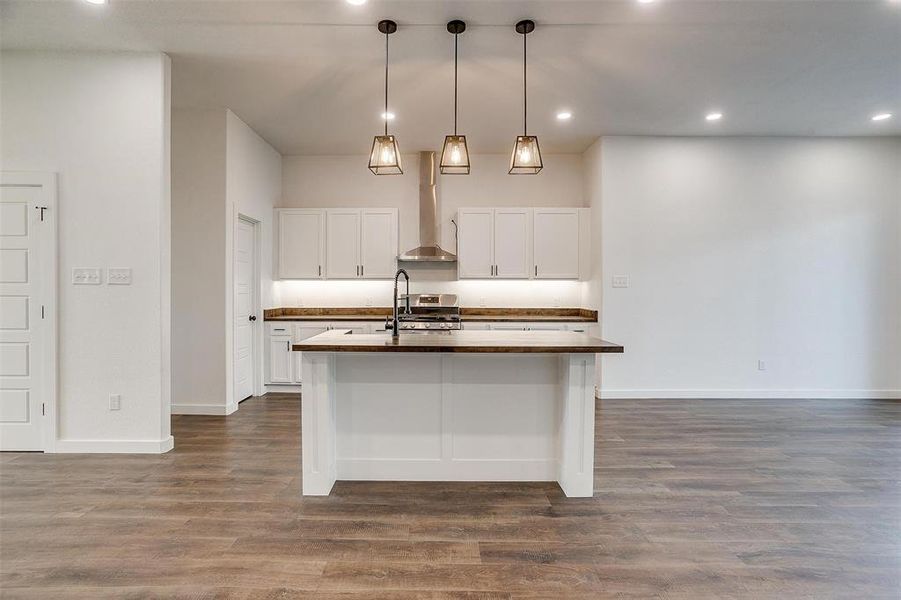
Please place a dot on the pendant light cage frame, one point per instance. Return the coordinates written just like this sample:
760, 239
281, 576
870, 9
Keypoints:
526, 156
455, 154
384, 158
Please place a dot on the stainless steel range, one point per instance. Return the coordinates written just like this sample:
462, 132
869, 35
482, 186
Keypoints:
429, 312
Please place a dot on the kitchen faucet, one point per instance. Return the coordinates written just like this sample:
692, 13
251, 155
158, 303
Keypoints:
395, 328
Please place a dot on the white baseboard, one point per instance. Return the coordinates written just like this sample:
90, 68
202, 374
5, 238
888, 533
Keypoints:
749, 394
114, 446
204, 409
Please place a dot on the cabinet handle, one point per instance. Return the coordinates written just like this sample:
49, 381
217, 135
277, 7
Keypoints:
496, 273
361, 270
536, 270
289, 345
320, 270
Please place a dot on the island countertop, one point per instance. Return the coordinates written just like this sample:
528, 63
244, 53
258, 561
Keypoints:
512, 342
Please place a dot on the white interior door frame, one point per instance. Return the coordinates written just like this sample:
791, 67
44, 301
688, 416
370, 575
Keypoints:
48, 279
257, 326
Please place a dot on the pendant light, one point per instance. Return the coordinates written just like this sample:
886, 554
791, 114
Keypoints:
385, 156
455, 156
526, 159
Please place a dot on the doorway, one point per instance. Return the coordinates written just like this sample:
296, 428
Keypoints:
28, 272
246, 306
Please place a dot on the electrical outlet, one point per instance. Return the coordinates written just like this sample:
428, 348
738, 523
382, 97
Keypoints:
620, 281
118, 276
83, 276
115, 402
761, 365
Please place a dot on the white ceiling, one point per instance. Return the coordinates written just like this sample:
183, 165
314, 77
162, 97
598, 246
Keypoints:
307, 75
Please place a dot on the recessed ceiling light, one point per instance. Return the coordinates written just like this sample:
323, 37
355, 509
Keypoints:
714, 116
564, 115
356, 2
388, 116
881, 117
646, 1
96, 1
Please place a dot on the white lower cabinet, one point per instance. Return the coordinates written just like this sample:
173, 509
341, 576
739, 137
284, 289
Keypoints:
283, 366
279, 359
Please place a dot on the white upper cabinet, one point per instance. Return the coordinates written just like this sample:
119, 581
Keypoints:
301, 243
556, 243
337, 243
343, 235
378, 245
512, 228
475, 243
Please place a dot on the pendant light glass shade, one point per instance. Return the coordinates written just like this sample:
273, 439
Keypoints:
455, 155
385, 156
526, 158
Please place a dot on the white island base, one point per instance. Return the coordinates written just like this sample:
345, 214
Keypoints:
432, 416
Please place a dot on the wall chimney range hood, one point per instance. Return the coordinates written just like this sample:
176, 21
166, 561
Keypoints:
428, 250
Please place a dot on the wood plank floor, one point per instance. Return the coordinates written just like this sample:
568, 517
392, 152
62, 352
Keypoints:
694, 499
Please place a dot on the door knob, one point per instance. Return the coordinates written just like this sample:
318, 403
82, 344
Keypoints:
252, 317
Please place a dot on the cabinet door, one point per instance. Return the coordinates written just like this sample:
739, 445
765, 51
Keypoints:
301, 243
303, 331
280, 360
475, 246
378, 243
343, 243
556, 247
508, 326
511, 243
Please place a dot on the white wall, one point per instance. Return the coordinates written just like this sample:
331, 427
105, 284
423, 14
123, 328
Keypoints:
221, 169
739, 250
253, 189
199, 225
101, 121
344, 181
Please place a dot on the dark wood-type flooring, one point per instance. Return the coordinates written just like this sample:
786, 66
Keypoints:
694, 499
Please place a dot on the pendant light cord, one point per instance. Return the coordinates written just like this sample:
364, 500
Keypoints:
385, 116
455, 84
525, 98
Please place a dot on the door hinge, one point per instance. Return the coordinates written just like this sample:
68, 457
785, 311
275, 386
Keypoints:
42, 311
42, 209
43, 409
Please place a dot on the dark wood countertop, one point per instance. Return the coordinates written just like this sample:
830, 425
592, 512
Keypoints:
526, 315
495, 342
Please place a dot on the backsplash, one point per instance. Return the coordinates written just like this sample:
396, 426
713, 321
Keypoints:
471, 293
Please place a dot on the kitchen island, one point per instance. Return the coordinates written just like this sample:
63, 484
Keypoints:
450, 406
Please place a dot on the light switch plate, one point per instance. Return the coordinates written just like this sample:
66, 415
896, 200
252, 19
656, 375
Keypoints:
115, 402
118, 276
83, 276
620, 281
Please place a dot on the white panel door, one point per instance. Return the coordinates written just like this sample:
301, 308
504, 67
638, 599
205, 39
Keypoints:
303, 331
280, 360
556, 247
475, 258
343, 243
511, 243
379, 243
23, 378
244, 284
301, 243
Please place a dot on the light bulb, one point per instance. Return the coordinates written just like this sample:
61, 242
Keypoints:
455, 155
525, 156
387, 155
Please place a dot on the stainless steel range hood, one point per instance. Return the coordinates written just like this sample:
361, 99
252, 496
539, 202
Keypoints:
429, 232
